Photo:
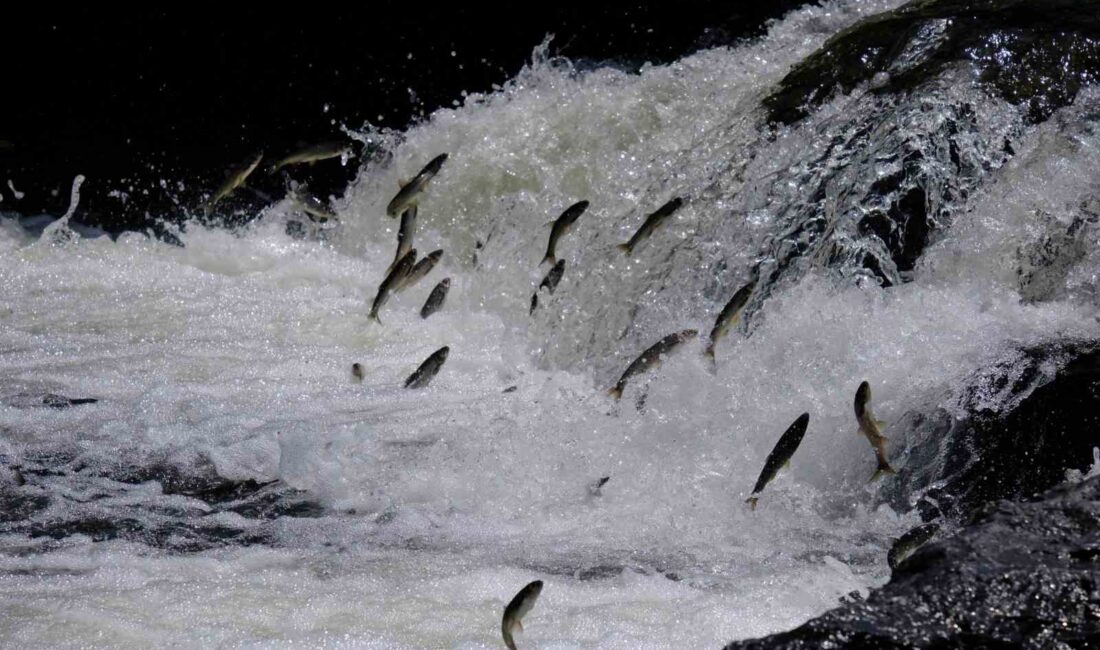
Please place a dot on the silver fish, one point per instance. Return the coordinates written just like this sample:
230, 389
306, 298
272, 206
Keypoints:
312, 154
409, 192
561, 226
314, 207
235, 179
435, 299
389, 285
872, 429
651, 222
427, 371
729, 316
651, 358
422, 268
405, 234
517, 609
780, 455
909, 542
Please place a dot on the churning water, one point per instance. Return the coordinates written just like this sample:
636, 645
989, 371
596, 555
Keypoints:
407, 519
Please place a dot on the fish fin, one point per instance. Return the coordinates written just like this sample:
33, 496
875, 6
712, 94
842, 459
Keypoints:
616, 392
882, 470
401, 183
752, 502
549, 258
519, 625
374, 317
624, 248
882, 424
787, 465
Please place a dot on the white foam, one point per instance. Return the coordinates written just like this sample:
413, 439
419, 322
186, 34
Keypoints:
237, 349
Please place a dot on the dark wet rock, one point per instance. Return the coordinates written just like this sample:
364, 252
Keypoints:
1022, 575
1038, 53
1048, 424
1045, 264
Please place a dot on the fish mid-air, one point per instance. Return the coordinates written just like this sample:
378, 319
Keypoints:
651, 222
422, 268
313, 153
780, 455
561, 226
236, 177
550, 282
357, 371
872, 429
389, 285
427, 371
909, 542
314, 207
410, 192
729, 317
404, 235
435, 299
516, 610
651, 358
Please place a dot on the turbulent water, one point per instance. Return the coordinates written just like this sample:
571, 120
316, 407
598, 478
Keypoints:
408, 519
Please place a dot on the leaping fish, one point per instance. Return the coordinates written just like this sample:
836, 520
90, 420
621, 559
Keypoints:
780, 455
389, 285
561, 226
312, 154
651, 358
729, 316
872, 429
651, 222
410, 192
236, 178
517, 609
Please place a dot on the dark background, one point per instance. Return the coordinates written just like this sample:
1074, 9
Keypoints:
136, 99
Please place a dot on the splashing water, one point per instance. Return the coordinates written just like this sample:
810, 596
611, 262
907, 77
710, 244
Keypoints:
231, 356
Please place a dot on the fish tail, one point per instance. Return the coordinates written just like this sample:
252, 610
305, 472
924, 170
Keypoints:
883, 469
549, 258
616, 392
508, 641
374, 317
626, 248
752, 502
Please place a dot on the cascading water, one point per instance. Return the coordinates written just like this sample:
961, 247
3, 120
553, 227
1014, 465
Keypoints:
399, 518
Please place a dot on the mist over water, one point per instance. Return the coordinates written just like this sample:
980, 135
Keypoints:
415, 516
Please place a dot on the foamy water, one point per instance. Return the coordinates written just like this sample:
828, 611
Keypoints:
439, 504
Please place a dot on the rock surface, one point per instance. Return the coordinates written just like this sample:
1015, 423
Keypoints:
1023, 575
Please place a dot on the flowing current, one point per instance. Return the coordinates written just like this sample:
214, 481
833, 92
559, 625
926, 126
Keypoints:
402, 518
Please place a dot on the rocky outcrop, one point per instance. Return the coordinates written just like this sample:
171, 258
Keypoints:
1022, 575
1038, 53
1045, 422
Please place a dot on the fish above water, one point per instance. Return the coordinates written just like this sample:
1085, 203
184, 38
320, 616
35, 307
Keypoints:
872, 430
418, 271
729, 316
234, 179
561, 226
404, 235
427, 371
313, 153
780, 455
909, 542
516, 610
390, 284
435, 299
651, 358
651, 223
410, 192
